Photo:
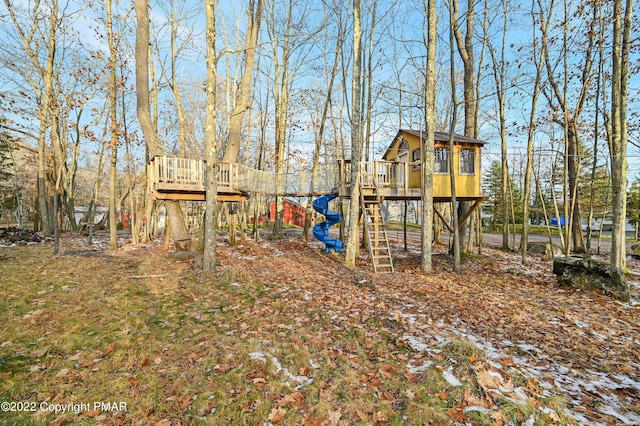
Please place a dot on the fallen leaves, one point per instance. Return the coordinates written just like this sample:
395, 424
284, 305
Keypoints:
457, 414
388, 371
188, 344
277, 415
108, 350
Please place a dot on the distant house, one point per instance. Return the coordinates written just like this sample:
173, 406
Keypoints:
82, 212
294, 213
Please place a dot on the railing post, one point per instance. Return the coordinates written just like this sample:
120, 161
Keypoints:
150, 176
341, 176
406, 177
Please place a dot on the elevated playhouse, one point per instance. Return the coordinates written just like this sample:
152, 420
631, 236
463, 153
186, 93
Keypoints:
398, 176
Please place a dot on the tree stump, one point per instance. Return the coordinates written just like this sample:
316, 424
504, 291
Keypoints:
636, 250
590, 274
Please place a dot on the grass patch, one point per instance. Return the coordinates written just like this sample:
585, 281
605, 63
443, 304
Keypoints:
136, 328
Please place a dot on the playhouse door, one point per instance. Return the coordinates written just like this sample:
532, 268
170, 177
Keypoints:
401, 169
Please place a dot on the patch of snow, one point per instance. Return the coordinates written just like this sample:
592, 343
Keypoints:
258, 356
301, 380
568, 381
476, 408
411, 318
417, 369
528, 348
627, 382
416, 343
632, 419
450, 378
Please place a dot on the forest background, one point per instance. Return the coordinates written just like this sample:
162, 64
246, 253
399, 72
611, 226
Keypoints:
551, 86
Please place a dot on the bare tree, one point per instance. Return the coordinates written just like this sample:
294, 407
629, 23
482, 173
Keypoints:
530, 139
568, 115
46, 71
622, 21
430, 120
356, 138
465, 46
179, 39
242, 98
290, 45
499, 65
114, 133
210, 143
319, 127
452, 174
176, 220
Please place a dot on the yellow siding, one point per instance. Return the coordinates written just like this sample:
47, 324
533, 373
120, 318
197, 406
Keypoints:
466, 185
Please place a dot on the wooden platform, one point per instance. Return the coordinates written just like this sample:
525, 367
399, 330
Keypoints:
173, 178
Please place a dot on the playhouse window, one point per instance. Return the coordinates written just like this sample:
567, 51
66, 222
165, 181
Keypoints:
441, 161
415, 159
467, 162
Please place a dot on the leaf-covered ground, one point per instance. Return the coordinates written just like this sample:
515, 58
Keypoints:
285, 334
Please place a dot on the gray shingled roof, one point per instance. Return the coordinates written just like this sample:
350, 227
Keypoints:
444, 137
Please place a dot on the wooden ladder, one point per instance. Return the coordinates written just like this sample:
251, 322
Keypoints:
374, 227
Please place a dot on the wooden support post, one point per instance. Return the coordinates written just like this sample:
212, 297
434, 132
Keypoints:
444, 221
464, 218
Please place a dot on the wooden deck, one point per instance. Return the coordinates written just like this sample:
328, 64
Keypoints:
173, 178
392, 180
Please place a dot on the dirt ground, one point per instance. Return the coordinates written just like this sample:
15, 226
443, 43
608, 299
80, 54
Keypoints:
499, 335
581, 343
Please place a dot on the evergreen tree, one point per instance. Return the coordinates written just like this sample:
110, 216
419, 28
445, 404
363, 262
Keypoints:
633, 205
7, 191
492, 187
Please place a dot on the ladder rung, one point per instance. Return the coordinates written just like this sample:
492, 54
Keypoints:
374, 226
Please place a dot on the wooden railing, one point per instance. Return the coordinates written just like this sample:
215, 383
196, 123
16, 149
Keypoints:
171, 174
379, 174
167, 173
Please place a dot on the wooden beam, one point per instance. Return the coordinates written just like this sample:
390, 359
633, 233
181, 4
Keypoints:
197, 196
233, 197
446, 224
464, 218
180, 196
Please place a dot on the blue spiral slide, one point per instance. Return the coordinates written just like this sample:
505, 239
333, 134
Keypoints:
321, 230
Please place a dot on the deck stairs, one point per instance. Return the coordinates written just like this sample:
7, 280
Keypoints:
378, 242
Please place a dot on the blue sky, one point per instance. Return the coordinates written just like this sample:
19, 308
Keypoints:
398, 49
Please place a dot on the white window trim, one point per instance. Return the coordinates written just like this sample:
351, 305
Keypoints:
473, 151
446, 172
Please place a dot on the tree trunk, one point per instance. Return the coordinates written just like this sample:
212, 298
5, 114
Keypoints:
524, 239
113, 102
211, 155
178, 227
356, 138
452, 175
465, 50
428, 149
618, 139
